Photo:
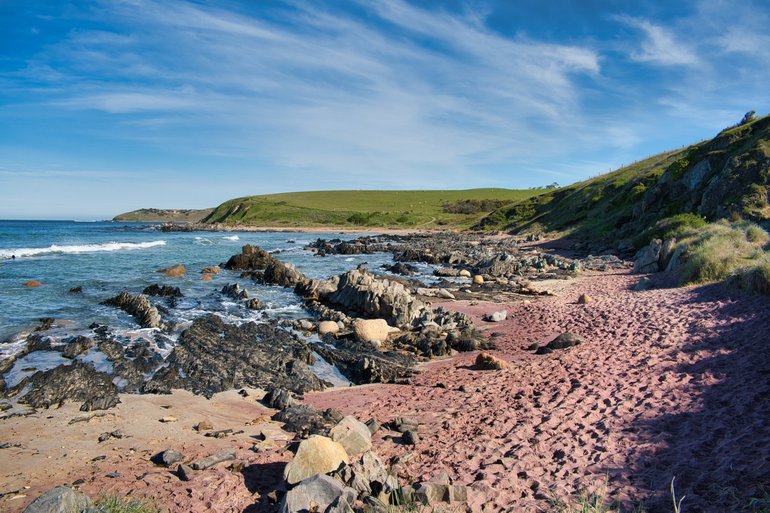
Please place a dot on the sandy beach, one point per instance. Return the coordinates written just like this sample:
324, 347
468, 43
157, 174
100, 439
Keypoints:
668, 382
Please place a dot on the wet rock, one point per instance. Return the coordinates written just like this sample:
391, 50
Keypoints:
210, 461
212, 356
162, 291
447, 272
175, 271
167, 457
403, 269
306, 420
254, 304
496, 316
77, 346
75, 382
362, 364
59, 500
486, 361
353, 435
139, 307
315, 455
325, 327
212, 269
32, 284
371, 330
318, 493
76, 290
251, 258
563, 341
281, 273
235, 291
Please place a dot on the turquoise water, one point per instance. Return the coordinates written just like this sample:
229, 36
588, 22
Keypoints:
105, 258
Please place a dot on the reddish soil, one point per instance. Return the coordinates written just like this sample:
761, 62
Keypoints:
669, 382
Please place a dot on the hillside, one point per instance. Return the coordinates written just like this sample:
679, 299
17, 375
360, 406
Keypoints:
407, 209
725, 177
155, 215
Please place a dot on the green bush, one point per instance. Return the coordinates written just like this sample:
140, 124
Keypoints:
754, 278
117, 504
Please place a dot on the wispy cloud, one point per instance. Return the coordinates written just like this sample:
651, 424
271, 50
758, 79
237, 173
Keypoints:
660, 46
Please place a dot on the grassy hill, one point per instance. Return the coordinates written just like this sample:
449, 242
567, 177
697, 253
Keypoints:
156, 215
407, 209
725, 177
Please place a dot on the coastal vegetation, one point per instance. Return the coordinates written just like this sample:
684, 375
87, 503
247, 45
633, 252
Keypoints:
385, 209
158, 215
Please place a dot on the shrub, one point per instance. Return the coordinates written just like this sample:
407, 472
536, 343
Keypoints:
117, 504
754, 278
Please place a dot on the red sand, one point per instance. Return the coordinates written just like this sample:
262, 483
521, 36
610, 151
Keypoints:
670, 382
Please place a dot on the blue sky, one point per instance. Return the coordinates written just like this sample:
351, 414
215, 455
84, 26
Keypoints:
108, 106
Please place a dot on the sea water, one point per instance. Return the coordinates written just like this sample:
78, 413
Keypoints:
105, 258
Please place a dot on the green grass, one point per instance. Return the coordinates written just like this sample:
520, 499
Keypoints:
619, 206
118, 504
397, 209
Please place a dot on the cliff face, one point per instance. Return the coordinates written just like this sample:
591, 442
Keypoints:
156, 215
725, 177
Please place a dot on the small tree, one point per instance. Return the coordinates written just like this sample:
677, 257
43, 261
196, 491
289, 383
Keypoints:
748, 117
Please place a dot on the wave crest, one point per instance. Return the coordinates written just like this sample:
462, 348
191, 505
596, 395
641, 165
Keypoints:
6, 254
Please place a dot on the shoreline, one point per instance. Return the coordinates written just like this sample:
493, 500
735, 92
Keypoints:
217, 227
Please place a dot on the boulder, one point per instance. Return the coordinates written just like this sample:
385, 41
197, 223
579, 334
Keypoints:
175, 271
139, 307
371, 330
162, 291
464, 273
325, 327
59, 500
305, 420
495, 316
316, 455
283, 274
563, 341
77, 346
279, 398
478, 280
210, 461
251, 258
212, 269
353, 435
404, 424
486, 361
317, 493
32, 284
584, 299
646, 259
167, 457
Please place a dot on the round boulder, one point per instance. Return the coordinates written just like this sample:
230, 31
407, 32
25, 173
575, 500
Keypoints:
325, 327
316, 455
32, 283
465, 273
175, 271
371, 330
478, 280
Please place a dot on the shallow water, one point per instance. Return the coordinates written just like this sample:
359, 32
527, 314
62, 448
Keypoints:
105, 258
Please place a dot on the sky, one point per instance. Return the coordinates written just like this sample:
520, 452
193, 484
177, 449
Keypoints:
109, 106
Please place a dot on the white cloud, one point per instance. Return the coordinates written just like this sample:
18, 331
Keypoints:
660, 46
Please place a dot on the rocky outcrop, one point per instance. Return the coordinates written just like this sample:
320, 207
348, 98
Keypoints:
61, 499
646, 259
76, 382
304, 420
77, 346
362, 363
250, 258
212, 356
139, 307
162, 291
175, 271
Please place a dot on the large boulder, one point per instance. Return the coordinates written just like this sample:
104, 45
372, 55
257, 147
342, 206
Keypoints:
251, 258
59, 500
139, 307
371, 330
353, 435
325, 327
175, 271
647, 259
283, 274
316, 455
317, 493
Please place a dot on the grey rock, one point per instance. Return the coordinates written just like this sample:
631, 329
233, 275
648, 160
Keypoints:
184, 472
167, 457
77, 346
404, 424
373, 425
75, 382
319, 491
279, 398
59, 500
353, 435
139, 307
210, 461
496, 316
646, 259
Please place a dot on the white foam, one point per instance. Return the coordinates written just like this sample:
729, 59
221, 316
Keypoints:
231, 237
6, 254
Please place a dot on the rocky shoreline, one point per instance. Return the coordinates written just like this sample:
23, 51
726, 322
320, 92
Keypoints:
543, 320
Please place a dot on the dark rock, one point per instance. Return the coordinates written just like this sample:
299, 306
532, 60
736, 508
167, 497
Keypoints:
403, 269
210, 461
235, 291
77, 346
117, 434
76, 290
46, 323
113, 475
563, 341
167, 457
361, 363
212, 356
162, 291
410, 438
283, 274
59, 500
76, 382
251, 258
184, 472
139, 307
254, 304
306, 420
279, 399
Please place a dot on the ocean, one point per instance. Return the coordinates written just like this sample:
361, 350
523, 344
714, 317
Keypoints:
105, 258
